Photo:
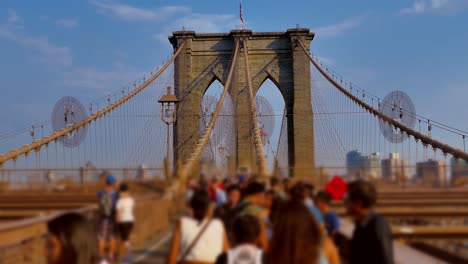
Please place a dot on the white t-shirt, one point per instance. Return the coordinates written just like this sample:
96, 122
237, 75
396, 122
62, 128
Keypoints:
125, 209
244, 254
210, 244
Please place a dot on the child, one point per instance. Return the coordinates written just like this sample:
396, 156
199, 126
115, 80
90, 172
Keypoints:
125, 218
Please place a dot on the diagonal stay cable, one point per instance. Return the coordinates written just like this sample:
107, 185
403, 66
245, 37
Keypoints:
206, 134
263, 165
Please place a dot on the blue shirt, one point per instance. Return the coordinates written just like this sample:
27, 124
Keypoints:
316, 213
114, 196
332, 222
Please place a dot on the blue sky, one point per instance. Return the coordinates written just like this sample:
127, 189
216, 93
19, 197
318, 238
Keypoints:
50, 49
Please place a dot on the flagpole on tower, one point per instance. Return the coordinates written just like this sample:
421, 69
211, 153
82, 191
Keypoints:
241, 15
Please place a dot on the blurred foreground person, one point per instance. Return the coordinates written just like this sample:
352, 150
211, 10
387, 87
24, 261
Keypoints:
198, 239
372, 237
246, 232
252, 204
298, 239
71, 240
300, 193
331, 219
228, 211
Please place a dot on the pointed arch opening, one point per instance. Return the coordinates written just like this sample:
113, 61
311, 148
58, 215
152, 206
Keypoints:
215, 159
273, 125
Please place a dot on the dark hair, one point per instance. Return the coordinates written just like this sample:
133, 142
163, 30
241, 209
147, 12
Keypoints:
233, 188
246, 229
253, 188
298, 192
270, 192
124, 187
296, 236
310, 188
323, 196
362, 191
200, 203
77, 239
274, 181
275, 206
226, 181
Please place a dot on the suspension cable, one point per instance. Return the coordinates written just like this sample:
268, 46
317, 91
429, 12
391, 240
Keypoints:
445, 148
39, 143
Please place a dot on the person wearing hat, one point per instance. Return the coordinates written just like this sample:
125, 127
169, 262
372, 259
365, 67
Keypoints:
108, 197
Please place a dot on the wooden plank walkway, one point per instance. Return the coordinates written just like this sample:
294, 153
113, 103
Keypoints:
156, 252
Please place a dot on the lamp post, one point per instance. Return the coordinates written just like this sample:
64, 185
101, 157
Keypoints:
168, 114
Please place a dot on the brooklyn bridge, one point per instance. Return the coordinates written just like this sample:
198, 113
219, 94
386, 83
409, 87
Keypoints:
207, 111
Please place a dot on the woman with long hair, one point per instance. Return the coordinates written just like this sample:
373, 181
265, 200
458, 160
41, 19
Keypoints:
297, 238
71, 240
198, 238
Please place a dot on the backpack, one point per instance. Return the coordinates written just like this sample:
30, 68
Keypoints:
107, 203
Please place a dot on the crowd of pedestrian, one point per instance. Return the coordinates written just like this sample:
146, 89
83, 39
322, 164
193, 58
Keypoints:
242, 220
234, 220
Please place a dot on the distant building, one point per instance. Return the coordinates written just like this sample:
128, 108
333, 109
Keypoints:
394, 168
459, 170
354, 164
431, 172
373, 168
359, 166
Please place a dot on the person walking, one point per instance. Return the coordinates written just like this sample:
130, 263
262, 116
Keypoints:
125, 220
246, 232
252, 204
300, 193
372, 237
298, 239
331, 219
198, 239
106, 226
227, 211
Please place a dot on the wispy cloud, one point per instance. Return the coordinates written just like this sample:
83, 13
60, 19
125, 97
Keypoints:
200, 23
136, 14
94, 81
339, 28
45, 51
435, 7
67, 23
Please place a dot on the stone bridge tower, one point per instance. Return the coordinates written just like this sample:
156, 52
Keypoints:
272, 55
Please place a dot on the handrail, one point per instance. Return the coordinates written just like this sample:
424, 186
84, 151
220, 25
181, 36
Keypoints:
426, 140
36, 145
